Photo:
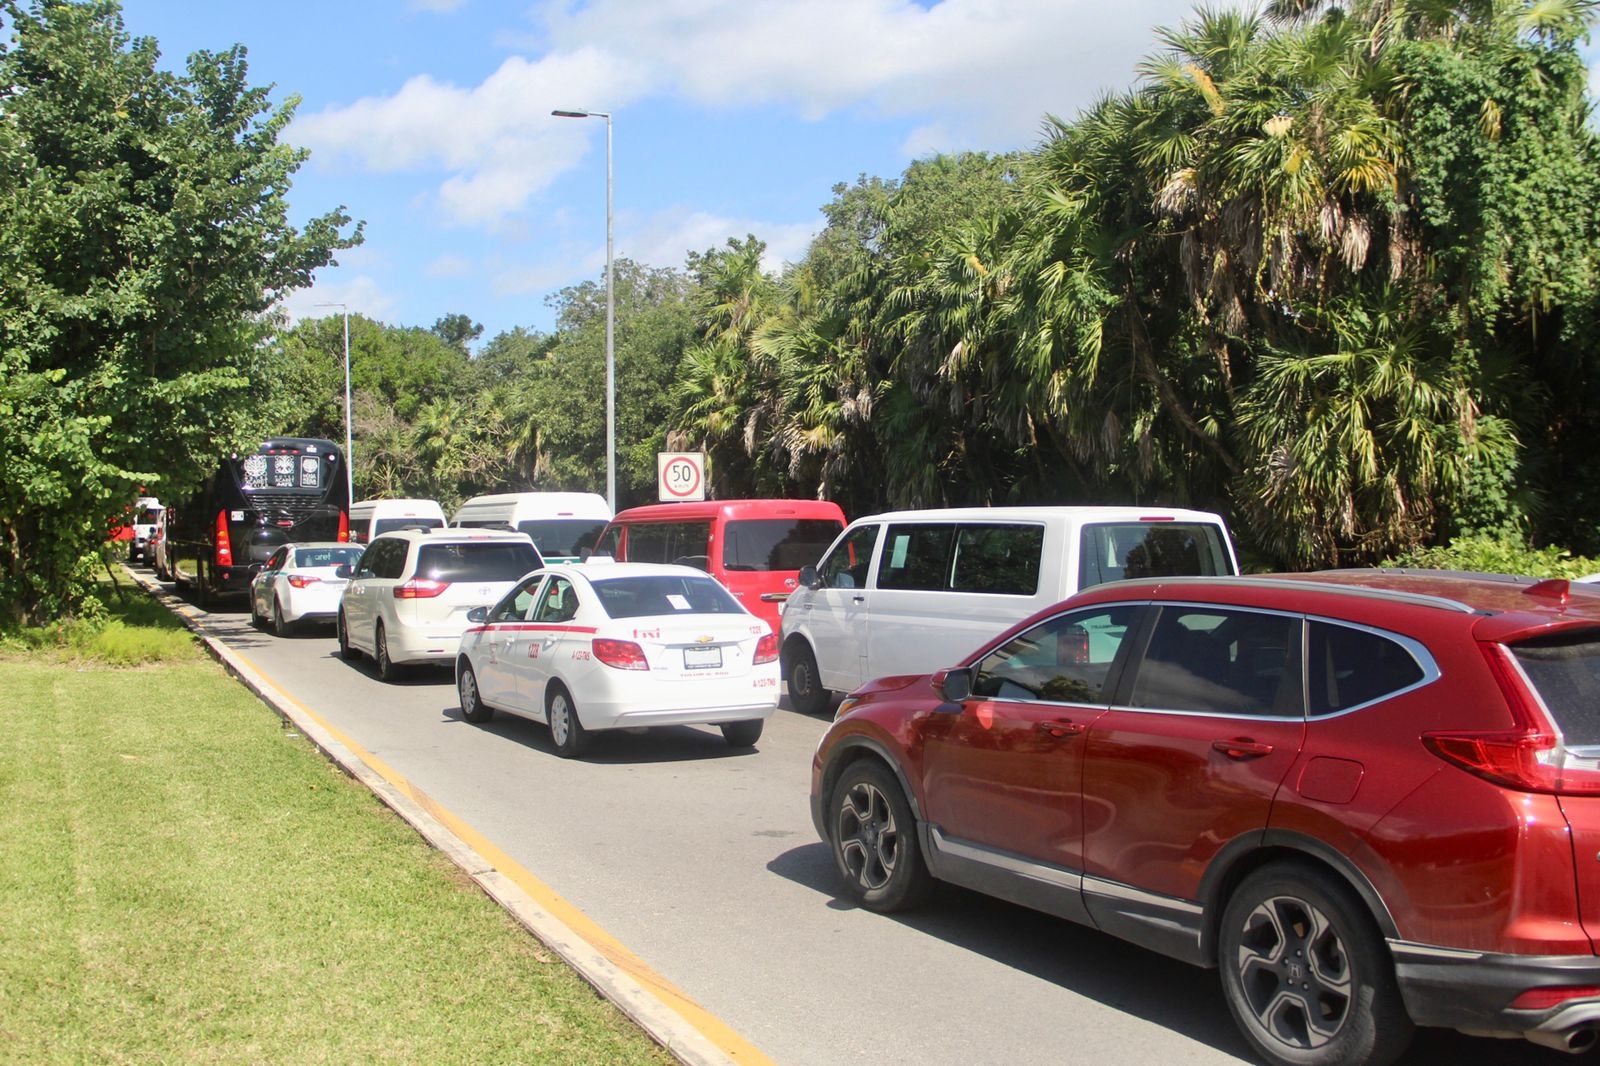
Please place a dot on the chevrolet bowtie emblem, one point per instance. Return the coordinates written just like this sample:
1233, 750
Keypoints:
703, 640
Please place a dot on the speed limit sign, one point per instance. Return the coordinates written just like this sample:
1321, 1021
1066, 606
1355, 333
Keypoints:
681, 476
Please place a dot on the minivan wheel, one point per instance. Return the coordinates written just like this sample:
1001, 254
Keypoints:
742, 734
806, 693
388, 671
473, 709
873, 835
346, 652
566, 729
280, 627
1305, 972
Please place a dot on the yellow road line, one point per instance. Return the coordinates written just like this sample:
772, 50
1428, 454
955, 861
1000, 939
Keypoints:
714, 1029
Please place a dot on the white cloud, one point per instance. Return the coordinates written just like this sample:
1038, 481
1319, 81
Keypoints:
361, 294
449, 266
498, 141
988, 69
973, 73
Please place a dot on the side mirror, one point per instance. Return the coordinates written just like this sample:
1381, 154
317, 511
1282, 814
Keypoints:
809, 578
953, 685
478, 615
343, 570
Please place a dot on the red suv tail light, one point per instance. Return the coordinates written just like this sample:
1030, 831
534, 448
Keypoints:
344, 527
419, 588
766, 649
1545, 998
620, 654
1529, 758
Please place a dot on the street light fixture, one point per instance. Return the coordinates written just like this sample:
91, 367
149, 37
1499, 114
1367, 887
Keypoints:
611, 318
349, 461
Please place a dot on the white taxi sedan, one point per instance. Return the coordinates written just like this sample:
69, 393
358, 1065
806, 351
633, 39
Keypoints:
604, 645
298, 584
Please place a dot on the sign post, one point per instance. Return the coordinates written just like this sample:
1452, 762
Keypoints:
680, 476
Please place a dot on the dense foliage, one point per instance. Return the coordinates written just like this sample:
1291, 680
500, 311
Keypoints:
143, 228
1331, 270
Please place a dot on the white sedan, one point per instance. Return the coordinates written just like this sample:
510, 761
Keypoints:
298, 584
604, 645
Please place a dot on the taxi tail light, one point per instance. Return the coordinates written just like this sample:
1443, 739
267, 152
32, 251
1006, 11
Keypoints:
766, 649
1529, 758
301, 581
419, 588
620, 654
224, 542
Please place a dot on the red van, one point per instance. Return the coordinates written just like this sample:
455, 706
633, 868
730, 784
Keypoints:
754, 547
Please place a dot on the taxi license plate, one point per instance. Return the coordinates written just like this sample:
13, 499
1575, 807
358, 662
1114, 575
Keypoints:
702, 658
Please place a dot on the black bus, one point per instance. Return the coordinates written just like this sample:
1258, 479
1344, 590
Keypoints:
290, 489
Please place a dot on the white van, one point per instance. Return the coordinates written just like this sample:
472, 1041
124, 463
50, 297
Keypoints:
910, 592
562, 524
371, 517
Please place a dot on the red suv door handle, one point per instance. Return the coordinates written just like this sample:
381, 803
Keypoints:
1060, 729
1242, 748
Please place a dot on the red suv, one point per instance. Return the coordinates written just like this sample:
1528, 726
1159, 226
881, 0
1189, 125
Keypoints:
1371, 799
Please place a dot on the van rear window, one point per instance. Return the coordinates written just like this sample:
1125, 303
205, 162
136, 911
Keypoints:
386, 525
562, 536
477, 561
1112, 551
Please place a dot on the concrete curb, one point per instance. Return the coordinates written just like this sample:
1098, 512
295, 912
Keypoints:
666, 1026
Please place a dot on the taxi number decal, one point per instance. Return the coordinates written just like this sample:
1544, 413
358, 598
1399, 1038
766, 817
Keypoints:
766, 682
581, 656
533, 651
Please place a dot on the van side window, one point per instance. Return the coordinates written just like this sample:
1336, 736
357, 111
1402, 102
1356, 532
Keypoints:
669, 542
999, 559
916, 557
1112, 551
847, 565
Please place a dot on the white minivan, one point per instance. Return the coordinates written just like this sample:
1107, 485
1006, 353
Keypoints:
562, 524
910, 592
372, 517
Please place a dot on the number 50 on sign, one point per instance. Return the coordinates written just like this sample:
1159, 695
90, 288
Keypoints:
681, 476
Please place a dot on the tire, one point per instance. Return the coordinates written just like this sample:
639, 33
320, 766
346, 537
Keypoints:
1306, 974
873, 835
346, 652
743, 734
566, 728
255, 619
806, 693
473, 709
280, 627
202, 590
388, 670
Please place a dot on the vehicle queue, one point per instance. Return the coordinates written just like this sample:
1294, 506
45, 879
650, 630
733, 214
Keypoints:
1359, 797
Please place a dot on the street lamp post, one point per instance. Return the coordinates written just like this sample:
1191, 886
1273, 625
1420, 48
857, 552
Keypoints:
349, 460
611, 320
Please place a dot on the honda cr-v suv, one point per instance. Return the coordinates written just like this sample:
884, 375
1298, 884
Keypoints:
1370, 799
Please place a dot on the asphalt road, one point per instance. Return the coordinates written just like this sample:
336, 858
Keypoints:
703, 861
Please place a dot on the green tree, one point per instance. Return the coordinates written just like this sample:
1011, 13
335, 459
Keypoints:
143, 221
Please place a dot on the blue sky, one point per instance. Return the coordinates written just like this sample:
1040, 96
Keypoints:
430, 120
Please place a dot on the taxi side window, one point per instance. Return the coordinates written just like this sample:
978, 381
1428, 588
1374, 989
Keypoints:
515, 606
558, 602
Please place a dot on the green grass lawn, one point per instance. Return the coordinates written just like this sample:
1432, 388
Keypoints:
183, 879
